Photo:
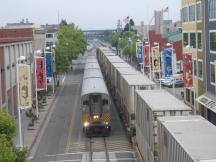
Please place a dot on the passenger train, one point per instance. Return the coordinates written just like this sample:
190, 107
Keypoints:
95, 100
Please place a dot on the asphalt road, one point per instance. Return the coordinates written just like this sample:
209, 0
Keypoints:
63, 140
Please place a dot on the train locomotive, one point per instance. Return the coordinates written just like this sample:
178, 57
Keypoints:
95, 101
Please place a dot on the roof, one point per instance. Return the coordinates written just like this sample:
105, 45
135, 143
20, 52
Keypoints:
115, 59
121, 65
195, 134
91, 60
92, 73
161, 100
92, 66
13, 40
94, 85
128, 71
137, 80
173, 36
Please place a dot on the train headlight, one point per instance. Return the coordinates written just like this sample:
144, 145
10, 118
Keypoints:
106, 123
96, 117
86, 124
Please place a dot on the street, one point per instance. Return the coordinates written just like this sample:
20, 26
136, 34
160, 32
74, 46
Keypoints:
63, 139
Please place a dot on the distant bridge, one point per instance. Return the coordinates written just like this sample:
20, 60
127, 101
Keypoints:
101, 34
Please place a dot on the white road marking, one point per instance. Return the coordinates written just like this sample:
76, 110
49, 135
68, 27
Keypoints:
73, 153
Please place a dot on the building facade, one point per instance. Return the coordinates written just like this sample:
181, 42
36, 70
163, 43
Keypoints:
13, 44
208, 99
192, 41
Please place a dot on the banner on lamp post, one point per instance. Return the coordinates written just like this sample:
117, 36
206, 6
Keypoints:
24, 86
40, 73
188, 70
155, 59
168, 62
49, 64
140, 53
146, 59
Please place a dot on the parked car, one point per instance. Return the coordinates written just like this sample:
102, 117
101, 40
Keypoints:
177, 83
165, 81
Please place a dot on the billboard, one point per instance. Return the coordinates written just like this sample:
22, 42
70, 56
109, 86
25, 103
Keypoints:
188, 70
168, 62
155, 59
40, 73
140, 53
24, 86
49, 64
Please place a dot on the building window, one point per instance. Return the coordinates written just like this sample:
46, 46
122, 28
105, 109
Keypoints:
49, 35
185, 39
192, 13
212, 69
200, 68
213, 41
198, 11
199, 35
195, 67
212, 9
184, 14
193, 40
48, 44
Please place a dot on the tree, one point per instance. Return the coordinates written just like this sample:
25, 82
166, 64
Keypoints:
6, 151
63, 22
7, 125
71, 43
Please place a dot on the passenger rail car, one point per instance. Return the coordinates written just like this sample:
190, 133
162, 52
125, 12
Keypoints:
95, 101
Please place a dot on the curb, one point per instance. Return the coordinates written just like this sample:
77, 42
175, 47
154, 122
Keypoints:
43, 121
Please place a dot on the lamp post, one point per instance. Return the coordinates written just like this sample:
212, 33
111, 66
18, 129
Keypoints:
156, 44
20, 60
193, 68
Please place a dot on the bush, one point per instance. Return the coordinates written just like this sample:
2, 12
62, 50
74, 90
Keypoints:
6, 151
21, 155
7, 125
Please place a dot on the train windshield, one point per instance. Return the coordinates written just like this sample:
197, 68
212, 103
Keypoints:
95, 106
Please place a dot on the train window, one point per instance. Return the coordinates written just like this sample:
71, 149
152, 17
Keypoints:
105, 102
85, 102
142, 88
95, 99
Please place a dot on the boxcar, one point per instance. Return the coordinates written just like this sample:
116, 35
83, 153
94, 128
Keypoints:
151, 104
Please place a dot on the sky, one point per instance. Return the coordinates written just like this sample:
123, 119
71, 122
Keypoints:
87, 14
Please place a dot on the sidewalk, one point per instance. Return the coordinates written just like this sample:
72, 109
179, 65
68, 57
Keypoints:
31, 137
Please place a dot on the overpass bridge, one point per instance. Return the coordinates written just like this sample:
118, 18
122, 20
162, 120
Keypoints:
100, 34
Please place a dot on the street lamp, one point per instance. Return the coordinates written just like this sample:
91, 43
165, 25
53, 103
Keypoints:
193, 68
20, 60
158, 46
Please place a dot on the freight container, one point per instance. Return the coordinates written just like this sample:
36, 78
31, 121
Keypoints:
114, 67
151, 104
119, 83
131, 83
108, 62
186, 139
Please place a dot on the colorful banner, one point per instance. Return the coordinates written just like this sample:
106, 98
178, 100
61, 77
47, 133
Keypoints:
168, 63
49, 64
188, 70
146, 55
155, 59
140, 53
40, 73
24, 86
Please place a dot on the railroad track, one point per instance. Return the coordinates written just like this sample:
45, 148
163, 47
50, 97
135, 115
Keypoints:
98, 144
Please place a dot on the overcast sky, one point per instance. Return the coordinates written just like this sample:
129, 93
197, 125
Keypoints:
87, 14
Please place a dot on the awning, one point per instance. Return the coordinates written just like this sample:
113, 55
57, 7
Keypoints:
207, 100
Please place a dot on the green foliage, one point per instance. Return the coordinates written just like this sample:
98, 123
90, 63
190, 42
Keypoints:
6, 151
21, 155
71, 43
7, 125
